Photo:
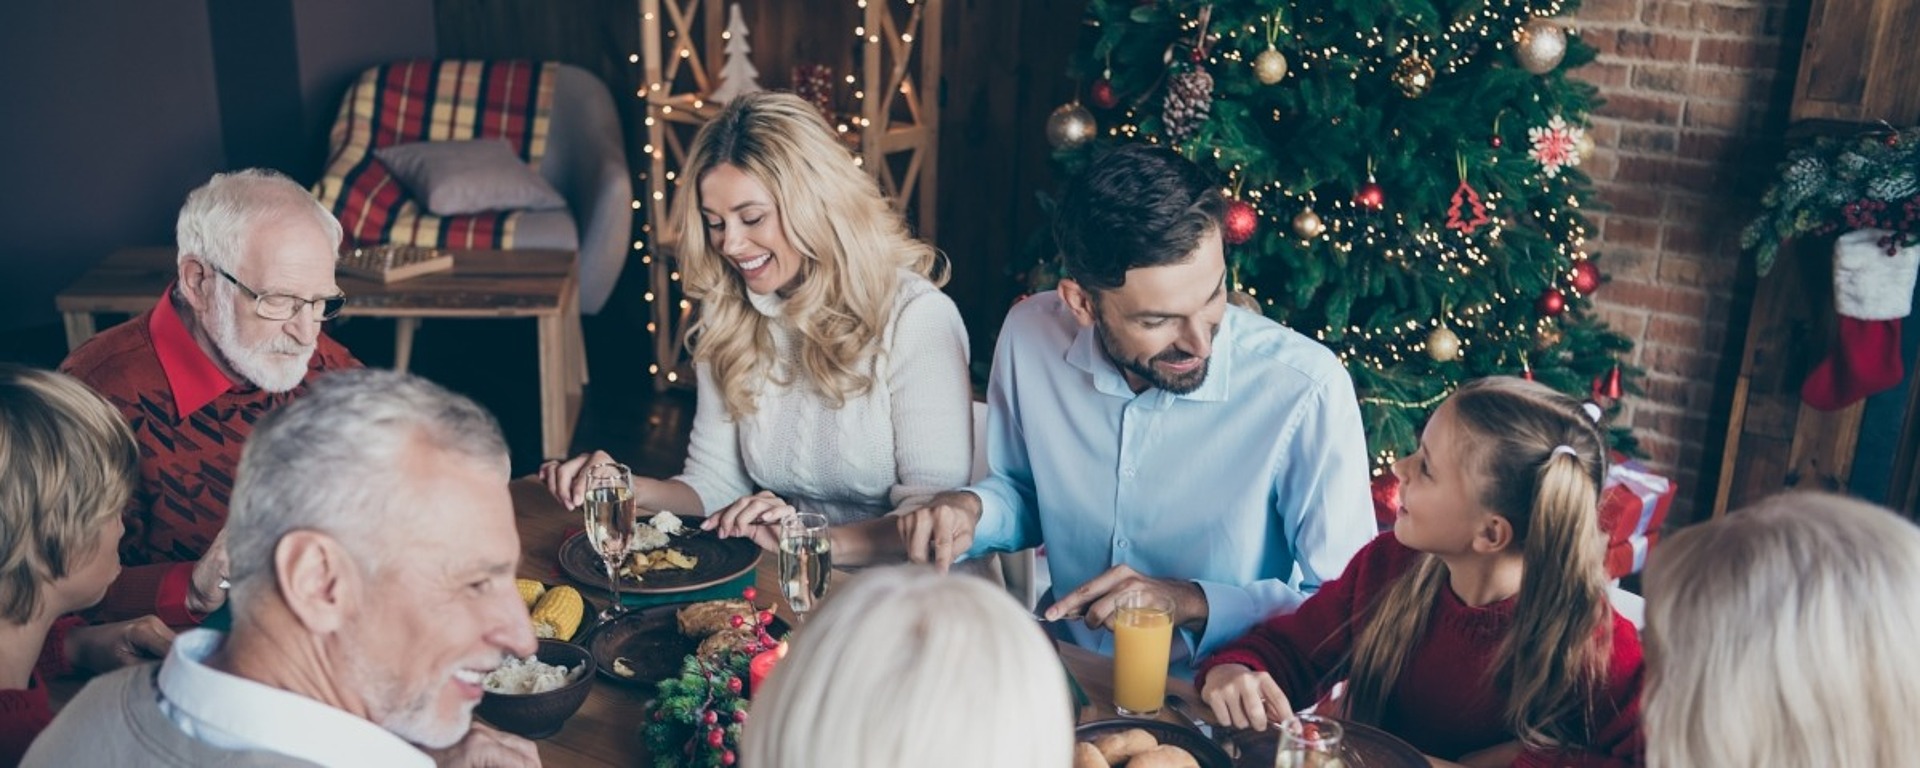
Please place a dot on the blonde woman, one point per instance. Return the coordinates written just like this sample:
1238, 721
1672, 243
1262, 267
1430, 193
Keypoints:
1478, 629
68, 465
1783, 635
909, 667
832, 371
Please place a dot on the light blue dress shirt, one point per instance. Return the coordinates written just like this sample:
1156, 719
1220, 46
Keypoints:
1253, 486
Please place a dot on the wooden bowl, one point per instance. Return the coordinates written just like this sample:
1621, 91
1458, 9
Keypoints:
539, 715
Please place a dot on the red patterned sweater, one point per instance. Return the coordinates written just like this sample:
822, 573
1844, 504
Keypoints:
191, 422
1444, 702
25, 712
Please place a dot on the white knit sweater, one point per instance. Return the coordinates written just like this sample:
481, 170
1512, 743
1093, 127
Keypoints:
906, 439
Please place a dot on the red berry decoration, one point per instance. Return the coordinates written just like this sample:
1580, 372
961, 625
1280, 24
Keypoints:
1102, 95
726, 757
766, 617
739, 715
1495, 141
710, 717
1552, 302
1242, 221
1586, 276
1370, 196
733, 685
736, 620
749, 593
716, 737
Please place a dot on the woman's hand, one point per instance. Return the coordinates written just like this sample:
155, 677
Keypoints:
1243, 698
106, 647
567, 480
757, 517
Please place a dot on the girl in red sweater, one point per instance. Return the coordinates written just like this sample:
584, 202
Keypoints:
1478, 629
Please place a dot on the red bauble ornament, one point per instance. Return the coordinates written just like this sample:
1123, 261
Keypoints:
1370, 196
1495, 141
1586, 276
1552, 302
1242, 221
1386, 499
1101, 94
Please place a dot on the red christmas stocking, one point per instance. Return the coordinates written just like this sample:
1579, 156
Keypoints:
1872, 291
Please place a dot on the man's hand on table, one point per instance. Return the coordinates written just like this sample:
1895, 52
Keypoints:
942, 531
103, 648
485, 747
1097, 597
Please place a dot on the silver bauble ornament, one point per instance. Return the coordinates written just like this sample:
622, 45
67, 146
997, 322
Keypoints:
1443, 345
1541, 45
1270, 66
1070, 126
1308, 225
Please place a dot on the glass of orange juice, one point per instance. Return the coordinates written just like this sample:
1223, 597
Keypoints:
1142, 642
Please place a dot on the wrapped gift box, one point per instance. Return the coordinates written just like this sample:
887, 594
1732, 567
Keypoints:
1633, 507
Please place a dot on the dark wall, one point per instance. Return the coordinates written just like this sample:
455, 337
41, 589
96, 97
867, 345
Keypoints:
115, 109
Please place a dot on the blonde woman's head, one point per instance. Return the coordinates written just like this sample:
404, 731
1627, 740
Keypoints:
772, 203
68, 466
908, 667
1783, 635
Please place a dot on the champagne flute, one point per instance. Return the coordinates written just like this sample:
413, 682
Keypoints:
806, 561
610, 522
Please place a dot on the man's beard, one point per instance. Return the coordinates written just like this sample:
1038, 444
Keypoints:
407, 714
264, 364
1178, 384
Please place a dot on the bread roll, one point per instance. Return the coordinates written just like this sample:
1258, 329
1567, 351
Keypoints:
702, 619
1119, 747
1085, 756
1164, 756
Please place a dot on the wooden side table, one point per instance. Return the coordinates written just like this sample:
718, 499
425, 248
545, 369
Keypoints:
541, 284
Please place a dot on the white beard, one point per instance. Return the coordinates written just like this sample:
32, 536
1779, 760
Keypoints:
266, 364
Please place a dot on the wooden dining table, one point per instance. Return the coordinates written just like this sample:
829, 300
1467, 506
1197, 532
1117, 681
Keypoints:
607, 729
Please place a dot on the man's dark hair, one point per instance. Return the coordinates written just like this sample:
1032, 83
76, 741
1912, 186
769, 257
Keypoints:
1136, 206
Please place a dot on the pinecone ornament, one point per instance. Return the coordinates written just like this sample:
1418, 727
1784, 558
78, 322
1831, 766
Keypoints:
1189, 102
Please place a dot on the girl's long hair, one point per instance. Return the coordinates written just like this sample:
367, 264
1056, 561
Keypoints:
1561, 636
850, 240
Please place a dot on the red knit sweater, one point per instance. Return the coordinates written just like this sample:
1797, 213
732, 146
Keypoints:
191, 423
1444, 703
25, 712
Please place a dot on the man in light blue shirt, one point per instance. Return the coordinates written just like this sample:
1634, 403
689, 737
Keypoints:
1152, 436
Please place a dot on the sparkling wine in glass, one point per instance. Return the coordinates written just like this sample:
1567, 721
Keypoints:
609, 512
806, 561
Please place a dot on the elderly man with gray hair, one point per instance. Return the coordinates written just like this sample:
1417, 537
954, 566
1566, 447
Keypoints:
373, 550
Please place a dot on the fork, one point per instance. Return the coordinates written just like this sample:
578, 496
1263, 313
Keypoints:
1220, 737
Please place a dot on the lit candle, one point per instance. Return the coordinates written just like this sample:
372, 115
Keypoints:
762, 664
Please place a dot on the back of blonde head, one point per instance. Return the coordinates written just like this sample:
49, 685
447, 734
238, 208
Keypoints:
1783, 635
68, 465
909, 667
851, 242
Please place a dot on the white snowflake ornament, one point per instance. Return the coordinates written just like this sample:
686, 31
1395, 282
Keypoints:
1556, 146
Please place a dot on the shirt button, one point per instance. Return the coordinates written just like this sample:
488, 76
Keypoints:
1121, 544
1128, 472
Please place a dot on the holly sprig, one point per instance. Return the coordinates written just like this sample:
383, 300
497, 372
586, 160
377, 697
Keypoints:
698, 716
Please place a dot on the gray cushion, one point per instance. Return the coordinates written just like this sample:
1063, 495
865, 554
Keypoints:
455, 178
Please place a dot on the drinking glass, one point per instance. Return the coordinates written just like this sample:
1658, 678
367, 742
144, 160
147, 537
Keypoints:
1309, 741
610, 521
806, 561
1142, 643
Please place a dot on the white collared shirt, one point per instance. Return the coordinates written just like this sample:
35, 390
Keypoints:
233, 712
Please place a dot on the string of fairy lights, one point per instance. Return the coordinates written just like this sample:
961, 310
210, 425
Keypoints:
667, 102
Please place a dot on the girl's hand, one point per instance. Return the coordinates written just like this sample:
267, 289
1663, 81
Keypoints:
757, 517
567, 480
1244, 699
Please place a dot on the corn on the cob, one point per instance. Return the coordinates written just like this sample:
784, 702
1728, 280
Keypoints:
530, 591
557, 614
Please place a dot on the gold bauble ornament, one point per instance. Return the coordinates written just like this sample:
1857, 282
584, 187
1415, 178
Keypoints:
1270, 66
1540, 46
1414, 75
1547, 336
1583, 145
1070, 126
1443, 345
1308, 225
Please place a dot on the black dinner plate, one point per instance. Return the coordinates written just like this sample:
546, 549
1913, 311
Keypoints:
650, 640
1205, 752
719, 560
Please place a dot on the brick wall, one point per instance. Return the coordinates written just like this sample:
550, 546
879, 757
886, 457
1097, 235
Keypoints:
1697, 95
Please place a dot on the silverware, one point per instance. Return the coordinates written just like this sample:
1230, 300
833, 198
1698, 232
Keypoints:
1069, 617
1217, 736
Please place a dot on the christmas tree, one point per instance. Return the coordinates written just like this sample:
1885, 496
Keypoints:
738, 75
1405, 175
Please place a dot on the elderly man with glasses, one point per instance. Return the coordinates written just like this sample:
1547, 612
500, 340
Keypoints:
237, 335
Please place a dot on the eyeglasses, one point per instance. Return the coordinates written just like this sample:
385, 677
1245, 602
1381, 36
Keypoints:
279, 306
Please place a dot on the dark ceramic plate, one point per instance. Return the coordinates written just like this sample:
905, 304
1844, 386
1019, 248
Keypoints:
650, 640
1205, 752
719, 560
1364, 745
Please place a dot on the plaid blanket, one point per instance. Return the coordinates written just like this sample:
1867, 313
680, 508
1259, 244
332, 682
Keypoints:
430, 100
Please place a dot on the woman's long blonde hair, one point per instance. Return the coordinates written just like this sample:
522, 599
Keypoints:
1561, 637
1783, 635
850, 240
